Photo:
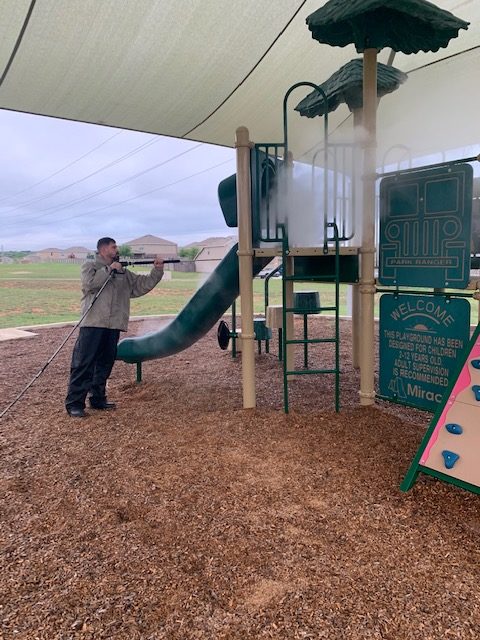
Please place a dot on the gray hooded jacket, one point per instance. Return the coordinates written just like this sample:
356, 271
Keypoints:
112, 307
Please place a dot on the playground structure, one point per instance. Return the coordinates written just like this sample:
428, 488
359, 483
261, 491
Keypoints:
424, 242
425, 221
430, 250
258, 198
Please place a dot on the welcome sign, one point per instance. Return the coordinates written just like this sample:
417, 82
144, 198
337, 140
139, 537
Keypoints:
421, 340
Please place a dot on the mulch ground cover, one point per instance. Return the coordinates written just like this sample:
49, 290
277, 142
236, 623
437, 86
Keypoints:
180, 515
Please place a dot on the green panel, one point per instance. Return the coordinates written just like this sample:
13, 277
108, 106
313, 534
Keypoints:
265, 167
324, 266
425, 227
403, 200
421, 339
262, 332
227, 197
307, 301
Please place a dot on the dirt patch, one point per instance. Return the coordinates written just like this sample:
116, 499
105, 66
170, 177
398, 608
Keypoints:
182, 516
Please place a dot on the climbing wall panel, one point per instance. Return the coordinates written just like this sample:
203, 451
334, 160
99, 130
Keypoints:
451, 447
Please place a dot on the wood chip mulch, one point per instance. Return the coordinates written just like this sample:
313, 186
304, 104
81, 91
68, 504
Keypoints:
181, 515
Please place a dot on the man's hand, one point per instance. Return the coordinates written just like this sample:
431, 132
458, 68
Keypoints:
116, 266
158, 262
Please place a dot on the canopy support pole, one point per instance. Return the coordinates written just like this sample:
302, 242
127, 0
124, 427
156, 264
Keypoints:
245, 262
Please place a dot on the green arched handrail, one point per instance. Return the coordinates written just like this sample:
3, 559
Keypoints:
285, 101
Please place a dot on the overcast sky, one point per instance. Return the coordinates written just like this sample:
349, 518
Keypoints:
67, 183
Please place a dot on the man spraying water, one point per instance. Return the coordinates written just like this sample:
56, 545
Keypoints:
96, 346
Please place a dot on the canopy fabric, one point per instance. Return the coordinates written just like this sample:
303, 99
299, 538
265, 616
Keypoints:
200, 69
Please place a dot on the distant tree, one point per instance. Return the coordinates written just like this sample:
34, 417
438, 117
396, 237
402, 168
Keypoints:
16, 255
125, 251
189, 253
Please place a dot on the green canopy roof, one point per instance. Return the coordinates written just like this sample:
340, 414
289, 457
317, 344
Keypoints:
408, 26
346, 85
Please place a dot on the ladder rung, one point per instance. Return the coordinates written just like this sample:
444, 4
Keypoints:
302, 312
308, 278
305, 372
312, 341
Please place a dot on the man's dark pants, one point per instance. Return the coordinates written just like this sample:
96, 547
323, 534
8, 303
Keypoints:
92, 362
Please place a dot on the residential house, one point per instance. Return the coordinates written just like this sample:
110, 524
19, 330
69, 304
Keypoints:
78, 253
53, 254
50, 254
211, 252
149, 246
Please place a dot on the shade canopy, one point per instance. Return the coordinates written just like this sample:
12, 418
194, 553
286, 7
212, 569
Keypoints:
409, 26
199, 69
346, 86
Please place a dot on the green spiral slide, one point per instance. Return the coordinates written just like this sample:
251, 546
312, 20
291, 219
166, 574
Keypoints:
196, 318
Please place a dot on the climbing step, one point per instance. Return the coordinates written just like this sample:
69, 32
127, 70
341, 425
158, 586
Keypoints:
454, 428
450, 458
476, 391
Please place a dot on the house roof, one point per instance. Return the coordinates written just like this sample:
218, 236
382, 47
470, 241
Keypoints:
211, 253
149, 239
213, 242
79, 249
198, 71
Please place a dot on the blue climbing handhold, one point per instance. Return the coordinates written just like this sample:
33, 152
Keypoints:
454, 428
476, 391
475, 364
449, 458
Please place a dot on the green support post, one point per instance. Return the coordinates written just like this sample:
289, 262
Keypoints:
305, 337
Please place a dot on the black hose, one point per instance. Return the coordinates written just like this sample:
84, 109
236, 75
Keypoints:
22, 393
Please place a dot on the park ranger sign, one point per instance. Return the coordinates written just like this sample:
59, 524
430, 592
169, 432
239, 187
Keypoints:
425, 228
421, 340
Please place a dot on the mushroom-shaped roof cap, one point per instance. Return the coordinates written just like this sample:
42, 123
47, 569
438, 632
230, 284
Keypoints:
408, 26
346, 85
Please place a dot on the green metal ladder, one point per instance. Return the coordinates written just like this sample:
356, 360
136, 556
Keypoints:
334, 279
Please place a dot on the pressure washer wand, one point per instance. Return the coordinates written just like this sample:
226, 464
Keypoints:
127, 263
20, 395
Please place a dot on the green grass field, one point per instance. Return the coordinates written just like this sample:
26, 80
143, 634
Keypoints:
44, 293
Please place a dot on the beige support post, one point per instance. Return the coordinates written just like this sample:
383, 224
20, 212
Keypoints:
367, 265
245, 262
356, 326
357, 134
